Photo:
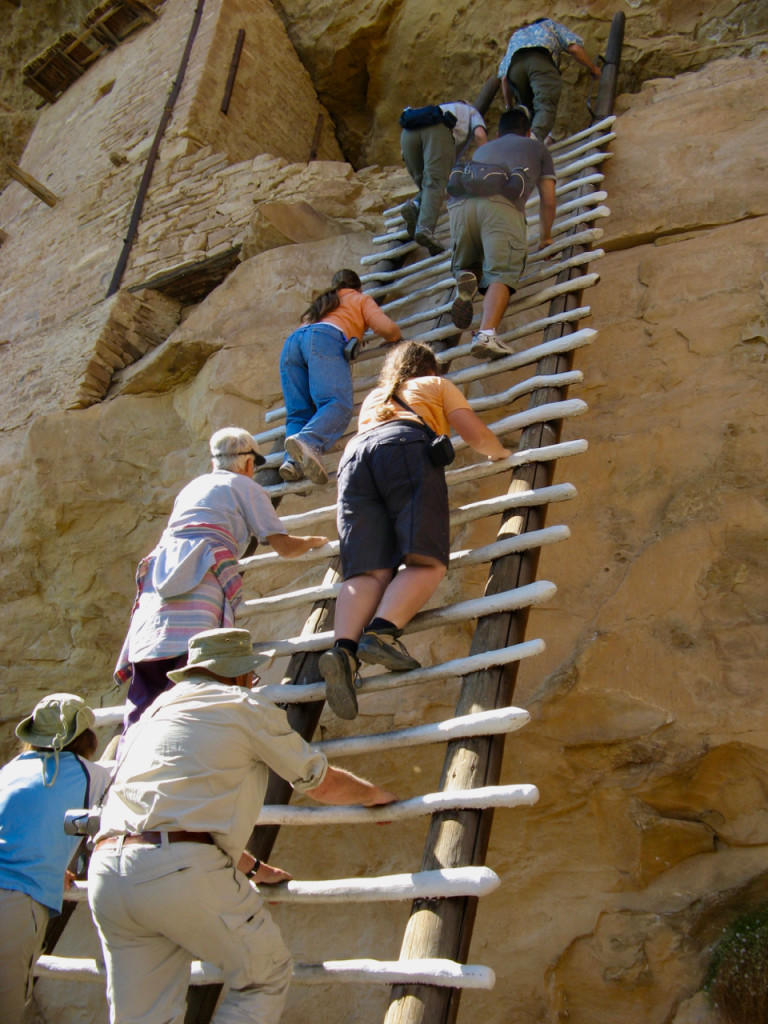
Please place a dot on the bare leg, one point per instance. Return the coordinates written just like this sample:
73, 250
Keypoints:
494, 305
410, 590
357, 602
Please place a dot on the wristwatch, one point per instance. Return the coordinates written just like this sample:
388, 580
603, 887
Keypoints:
254, 869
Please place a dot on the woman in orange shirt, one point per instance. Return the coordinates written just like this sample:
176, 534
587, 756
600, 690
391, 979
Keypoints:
315, 374
392, 515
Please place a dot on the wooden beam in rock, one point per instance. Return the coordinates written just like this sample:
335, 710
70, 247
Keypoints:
35, 187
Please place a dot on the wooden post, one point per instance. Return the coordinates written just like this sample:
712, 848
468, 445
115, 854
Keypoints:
606, 93
232, 70
444, 928
138, 206
34, 186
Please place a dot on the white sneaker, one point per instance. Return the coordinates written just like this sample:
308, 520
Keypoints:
486, 345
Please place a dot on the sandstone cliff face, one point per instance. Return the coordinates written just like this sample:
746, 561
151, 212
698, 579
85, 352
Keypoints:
435, 52
649, 736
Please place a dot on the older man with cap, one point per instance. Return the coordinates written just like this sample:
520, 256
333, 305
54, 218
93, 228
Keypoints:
190, 582
168, 879
52, 774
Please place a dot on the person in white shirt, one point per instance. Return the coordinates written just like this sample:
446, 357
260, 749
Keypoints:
429, 153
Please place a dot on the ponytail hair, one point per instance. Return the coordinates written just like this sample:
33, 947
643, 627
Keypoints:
404, 361
325, 303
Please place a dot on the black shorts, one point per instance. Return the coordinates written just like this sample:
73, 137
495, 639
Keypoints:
392, 501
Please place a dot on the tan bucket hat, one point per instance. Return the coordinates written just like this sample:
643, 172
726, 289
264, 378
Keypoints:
226, 652
57, 720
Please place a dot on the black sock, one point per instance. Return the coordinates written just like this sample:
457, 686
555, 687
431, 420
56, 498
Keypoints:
380, 625
348, 645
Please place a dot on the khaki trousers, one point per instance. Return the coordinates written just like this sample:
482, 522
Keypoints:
158, 908
537, 82
22, 931
429, 154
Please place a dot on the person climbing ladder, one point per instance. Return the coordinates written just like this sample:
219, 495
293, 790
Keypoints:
315, 373
393, 509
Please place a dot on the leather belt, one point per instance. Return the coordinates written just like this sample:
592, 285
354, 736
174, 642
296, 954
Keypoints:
154, 839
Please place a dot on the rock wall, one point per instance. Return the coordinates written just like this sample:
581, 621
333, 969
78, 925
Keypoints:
649, 735
357, 52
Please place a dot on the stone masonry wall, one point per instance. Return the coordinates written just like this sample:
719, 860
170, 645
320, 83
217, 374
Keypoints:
90, 148
273, 106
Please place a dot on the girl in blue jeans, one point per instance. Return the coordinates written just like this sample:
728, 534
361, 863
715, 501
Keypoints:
315, 375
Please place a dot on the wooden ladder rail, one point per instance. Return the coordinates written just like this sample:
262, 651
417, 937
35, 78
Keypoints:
445, 928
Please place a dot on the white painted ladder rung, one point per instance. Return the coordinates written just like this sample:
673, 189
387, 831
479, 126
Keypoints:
524, 331
482, 662
483, 723
446, 973
482, 798
565, 158
598, 126
557, 346
458, 560
546, 270
306, 693
461, 611
445, 883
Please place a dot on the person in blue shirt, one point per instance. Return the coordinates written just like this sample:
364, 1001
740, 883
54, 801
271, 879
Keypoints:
530, 70
52, 775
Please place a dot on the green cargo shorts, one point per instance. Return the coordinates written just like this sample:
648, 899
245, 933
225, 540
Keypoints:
489, 235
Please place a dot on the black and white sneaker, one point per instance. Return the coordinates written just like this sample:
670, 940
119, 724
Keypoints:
385, 649
338, 667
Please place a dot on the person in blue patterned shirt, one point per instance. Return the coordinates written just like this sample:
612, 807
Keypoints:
529, 70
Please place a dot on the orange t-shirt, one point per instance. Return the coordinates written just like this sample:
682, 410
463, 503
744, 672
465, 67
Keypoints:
433, 398
356, 311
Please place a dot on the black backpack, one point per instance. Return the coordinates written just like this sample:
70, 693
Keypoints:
423, 117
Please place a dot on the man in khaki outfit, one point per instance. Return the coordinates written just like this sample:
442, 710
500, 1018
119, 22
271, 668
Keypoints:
168, 879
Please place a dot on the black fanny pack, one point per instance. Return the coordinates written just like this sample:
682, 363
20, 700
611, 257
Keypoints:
440, 449
476, 179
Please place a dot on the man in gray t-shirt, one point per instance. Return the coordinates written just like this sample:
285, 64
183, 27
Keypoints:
488, 234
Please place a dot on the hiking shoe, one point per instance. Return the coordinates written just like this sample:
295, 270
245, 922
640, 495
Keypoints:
385, 649
308, 459
427, 238
462, 310
338, 667
486, 345
410, 214
289, 471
